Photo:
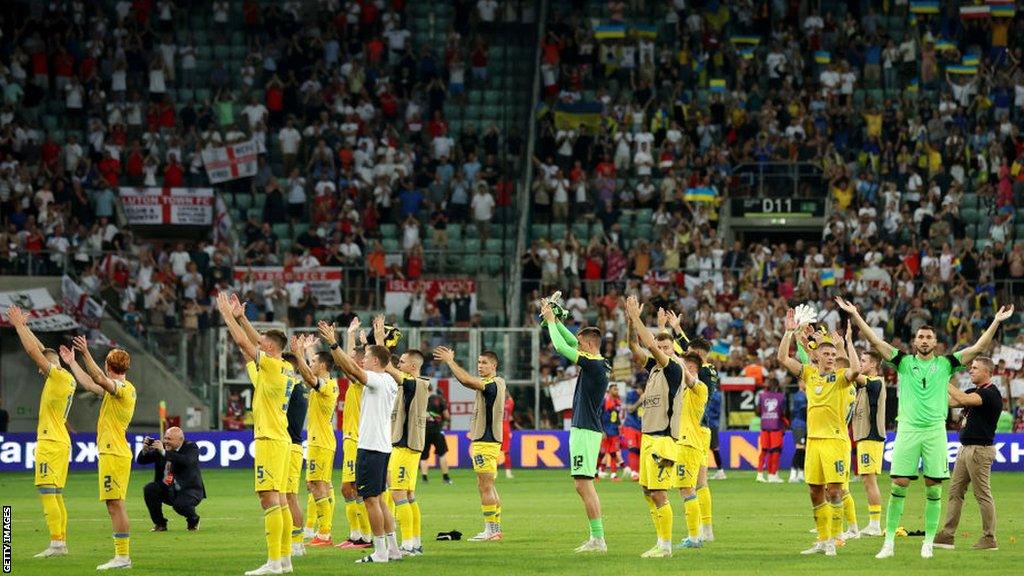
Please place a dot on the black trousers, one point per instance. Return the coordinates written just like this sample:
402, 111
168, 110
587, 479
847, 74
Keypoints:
157, 494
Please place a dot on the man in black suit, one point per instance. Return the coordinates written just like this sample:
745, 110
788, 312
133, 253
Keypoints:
177, 480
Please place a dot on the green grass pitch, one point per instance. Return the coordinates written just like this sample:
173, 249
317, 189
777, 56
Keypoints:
759, 528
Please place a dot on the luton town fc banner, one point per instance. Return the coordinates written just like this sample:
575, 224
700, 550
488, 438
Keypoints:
230, 162
179, 206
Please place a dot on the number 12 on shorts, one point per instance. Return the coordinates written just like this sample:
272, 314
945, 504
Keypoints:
577, 462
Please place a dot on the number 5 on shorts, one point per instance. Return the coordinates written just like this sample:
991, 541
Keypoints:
259, 472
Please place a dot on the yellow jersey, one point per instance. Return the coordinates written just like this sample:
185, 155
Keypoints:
694, 401
54, 406
828, 399
273, 380
116, 412
350, 416
320, 414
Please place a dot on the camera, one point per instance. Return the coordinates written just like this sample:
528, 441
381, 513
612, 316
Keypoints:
149, 441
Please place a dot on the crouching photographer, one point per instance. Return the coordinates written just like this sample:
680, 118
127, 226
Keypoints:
177, 480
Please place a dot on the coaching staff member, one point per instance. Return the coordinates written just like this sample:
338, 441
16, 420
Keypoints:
982, 405
177, 480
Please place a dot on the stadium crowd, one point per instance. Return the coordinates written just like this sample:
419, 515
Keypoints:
347, 114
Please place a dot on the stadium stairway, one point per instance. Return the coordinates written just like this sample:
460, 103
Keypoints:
20, 383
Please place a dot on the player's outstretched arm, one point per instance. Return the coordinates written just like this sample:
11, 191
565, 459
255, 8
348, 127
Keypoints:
379, 332
633, 311
447, 355
347, 364
960, 399
238, 311
634, 343
33, 347
853, 372
557, 339
881, 346
81, 376
791, 364
985, 341
299, 345
350, 336
95, 373
682, 340
249, 349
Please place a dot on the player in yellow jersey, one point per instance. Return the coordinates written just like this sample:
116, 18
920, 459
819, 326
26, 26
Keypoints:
692, 454
320, 436
273, 384
53, 444
116, 412
828, 451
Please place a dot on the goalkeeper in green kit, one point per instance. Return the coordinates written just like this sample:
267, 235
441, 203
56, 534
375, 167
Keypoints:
921, 418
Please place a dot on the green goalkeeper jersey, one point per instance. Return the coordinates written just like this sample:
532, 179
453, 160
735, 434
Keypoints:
923, 399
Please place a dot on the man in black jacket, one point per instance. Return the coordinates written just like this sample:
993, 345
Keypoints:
177, 480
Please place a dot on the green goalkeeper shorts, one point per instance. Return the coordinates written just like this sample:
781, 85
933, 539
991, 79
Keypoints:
924, 450
584, 448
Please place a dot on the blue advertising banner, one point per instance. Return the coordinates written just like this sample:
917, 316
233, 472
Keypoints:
528, 449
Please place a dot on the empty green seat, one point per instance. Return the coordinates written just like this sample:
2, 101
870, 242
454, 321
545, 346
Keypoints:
243, 201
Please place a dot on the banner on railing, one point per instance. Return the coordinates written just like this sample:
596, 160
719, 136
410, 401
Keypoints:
230, 162
528, 449
166, 206
324, 281
44, 314
453, 292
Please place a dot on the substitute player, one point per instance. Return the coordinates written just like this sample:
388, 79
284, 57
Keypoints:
708, 374
771, 408
921, 429
374, 449
53, 444
611, 422
273, 380
116, 412
321, 441
828, 452
692, 449
485, 431
359, 531
585, 433
298, 406
869, 434
438, 417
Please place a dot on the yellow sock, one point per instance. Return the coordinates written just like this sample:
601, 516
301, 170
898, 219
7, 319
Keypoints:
664, 522
323, 516
121, 544
416, 518
63, 516
875, 512
704, 498
403, 512
51, 512
692, 506
497, 513
364, 519
330, 505
272, 530
285, 534
489, 511
296, 535
352, 513
311, 513
849, 510
837, 518
823, 520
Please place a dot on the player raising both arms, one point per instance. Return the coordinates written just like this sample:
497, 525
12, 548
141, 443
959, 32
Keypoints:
828, 452
273, 380
298, 406
921, 420
116, 412
485, 431
53, 444
584, 350
321, 441
663, 408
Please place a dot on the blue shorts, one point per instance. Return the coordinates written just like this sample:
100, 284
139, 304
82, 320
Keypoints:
371, 472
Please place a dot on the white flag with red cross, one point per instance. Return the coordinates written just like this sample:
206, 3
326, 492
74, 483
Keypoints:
230, 162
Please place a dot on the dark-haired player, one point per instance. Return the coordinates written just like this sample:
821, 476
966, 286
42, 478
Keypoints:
869, 434
611, 422
584, 350
921, 432
485, 431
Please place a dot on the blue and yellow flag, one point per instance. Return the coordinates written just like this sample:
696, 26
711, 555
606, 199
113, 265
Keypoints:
1002, 8
943, 45
701, 194
717, 85
645, 30
749, 40
914, 85
570, 116
924, 6
720, 350
828, 277
823, 57
971, 60
746, 53
962, 70
610, 31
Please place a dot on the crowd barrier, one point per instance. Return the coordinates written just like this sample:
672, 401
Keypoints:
528, 449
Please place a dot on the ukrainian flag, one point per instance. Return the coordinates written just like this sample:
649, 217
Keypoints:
746, 53
963, 70
828, 277
570, 116
924, 7
702, 194
610, 31
720, 350
645, 30
971, 60
913, 86
823, 57
751, 40
943, 45
718, 85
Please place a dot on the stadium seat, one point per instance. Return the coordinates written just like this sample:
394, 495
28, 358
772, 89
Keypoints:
243, 201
